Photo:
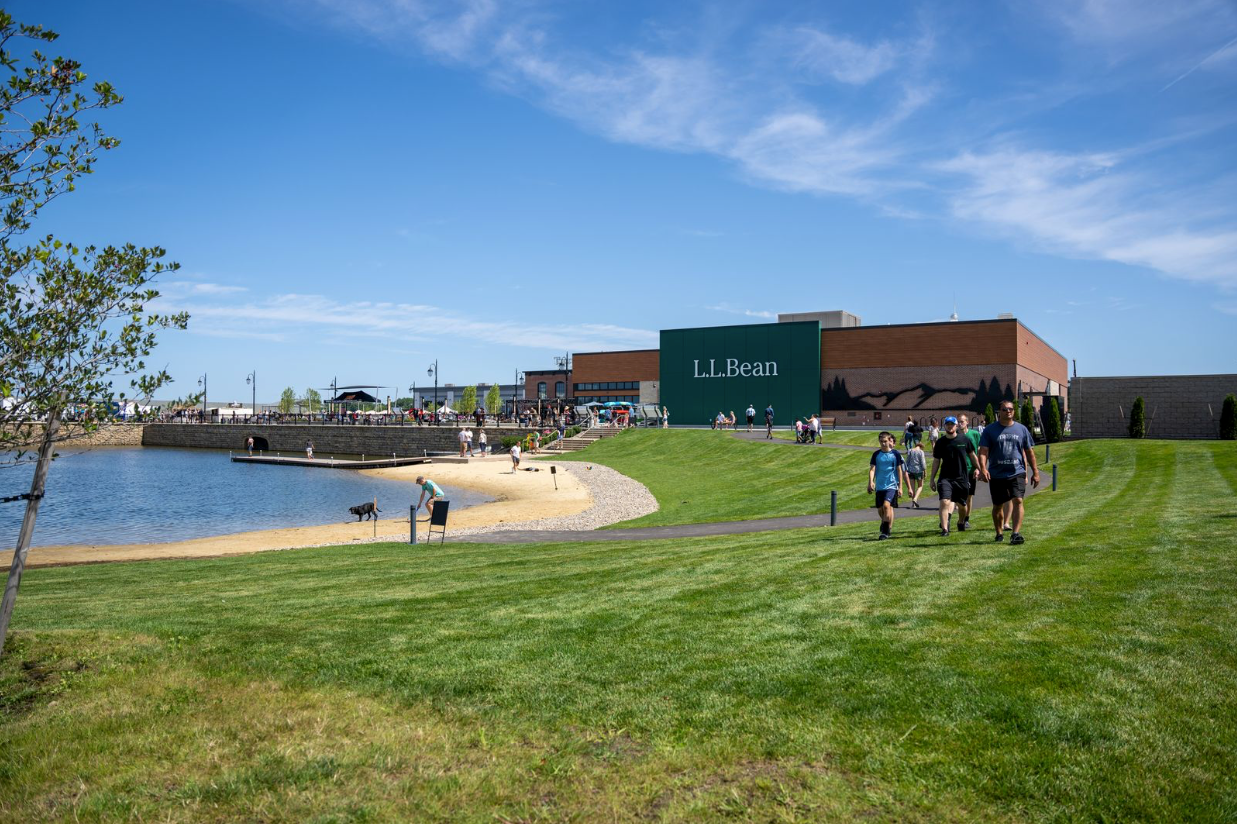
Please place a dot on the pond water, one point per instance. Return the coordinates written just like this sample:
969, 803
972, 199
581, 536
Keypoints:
134, 495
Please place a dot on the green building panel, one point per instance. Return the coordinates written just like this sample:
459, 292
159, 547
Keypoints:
724, 368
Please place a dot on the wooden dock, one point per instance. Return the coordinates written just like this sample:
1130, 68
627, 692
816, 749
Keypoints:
329, 463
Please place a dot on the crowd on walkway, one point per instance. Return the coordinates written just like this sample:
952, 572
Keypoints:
1000, 454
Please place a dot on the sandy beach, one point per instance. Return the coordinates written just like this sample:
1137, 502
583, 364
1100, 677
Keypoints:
518, 497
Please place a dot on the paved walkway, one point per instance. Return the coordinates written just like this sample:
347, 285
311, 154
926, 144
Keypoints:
744, 435
981, 520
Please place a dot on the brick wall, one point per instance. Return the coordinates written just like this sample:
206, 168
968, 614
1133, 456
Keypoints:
632, 365
966, 343
550, 379
1040, 358
1178, 402
371, 441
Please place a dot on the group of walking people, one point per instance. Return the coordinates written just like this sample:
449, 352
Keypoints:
1001, 455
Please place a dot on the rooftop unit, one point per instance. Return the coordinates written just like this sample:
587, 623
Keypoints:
828, 320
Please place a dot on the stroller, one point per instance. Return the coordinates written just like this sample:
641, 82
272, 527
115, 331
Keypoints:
804, 433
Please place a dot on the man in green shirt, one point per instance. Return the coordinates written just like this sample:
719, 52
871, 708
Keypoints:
971, 435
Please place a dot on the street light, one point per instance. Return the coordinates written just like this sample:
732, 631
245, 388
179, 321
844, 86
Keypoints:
433, 372
202, 383
519, 378
564, 363
252, 380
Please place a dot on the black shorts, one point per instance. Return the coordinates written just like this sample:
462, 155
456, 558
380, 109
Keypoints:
883, 495
953, 489
1006, 489
973, 480
750, 419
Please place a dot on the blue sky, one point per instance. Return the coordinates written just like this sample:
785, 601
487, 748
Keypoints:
356, 188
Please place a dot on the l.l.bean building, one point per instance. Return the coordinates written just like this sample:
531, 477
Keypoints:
828, 362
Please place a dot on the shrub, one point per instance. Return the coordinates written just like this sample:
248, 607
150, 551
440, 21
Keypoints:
1052, 420
989, 414
1228, 418
1026, 415
1138, 419
509, 441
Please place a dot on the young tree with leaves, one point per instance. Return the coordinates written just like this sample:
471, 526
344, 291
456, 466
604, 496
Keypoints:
313, 400
1228, 418
468, 400
494, 400
71, 317
287, 400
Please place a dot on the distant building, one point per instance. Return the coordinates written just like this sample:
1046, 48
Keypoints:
825, 362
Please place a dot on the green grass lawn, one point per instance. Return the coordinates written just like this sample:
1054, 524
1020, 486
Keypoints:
1088, 675
699, 476
842, 436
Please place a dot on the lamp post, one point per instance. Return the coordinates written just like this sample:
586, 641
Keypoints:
433, 372
252, 380
519, 378
202, 383
564, 363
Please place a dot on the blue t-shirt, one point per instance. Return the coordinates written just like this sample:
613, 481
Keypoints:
886, 464
1005, 445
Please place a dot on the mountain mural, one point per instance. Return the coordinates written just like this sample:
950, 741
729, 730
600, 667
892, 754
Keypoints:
836, 395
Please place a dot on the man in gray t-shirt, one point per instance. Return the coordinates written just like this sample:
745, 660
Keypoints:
1006, 451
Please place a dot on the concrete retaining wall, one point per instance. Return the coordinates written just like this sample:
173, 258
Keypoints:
328, 440
1179, 404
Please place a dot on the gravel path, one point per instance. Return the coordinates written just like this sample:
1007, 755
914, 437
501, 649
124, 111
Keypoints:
615, 498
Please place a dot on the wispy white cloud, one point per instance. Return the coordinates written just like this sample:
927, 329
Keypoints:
1088, 206
1218, 57
279, 317
821, 54
196, 288
1136, 23
778, 103
747, 313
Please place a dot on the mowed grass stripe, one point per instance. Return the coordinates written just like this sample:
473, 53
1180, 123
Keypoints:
799, 675
706, 476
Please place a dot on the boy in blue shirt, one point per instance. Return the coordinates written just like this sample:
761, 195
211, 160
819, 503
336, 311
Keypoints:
887, 478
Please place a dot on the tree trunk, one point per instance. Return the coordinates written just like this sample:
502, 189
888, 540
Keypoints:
27, 524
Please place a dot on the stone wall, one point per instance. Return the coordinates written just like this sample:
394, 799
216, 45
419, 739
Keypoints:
112, 434
328, 440
1177, 405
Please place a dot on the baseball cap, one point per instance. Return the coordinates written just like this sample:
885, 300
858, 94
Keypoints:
951, 419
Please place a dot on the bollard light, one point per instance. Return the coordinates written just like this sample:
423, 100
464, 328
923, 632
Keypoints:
1054, 477
833, 508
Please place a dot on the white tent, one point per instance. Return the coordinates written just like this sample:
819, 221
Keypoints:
446, 410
